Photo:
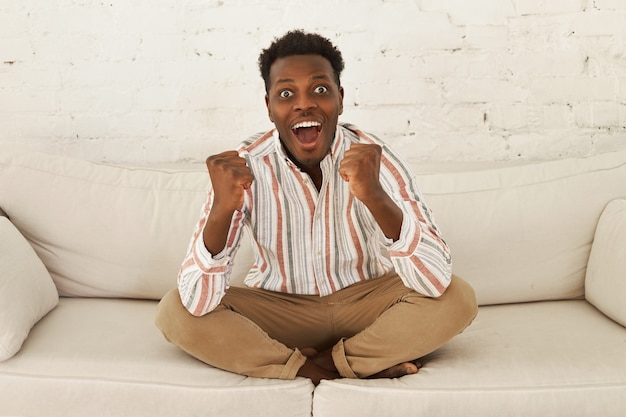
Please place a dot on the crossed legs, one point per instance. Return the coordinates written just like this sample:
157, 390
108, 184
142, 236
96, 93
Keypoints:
374, 328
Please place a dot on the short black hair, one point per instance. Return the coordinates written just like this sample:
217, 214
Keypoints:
298, 42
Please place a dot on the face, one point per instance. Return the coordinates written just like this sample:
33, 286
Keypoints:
304, 103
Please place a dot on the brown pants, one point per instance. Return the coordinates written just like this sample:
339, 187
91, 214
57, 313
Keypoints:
371, 326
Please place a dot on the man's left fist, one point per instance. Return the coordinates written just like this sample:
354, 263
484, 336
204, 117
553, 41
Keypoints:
360, 167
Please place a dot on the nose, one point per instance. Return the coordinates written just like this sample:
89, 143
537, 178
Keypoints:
305, 102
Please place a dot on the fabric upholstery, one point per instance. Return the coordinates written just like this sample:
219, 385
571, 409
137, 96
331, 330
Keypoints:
512, 361
605, 283
104, 230
27, 292
105, 357
523, 232
518, 234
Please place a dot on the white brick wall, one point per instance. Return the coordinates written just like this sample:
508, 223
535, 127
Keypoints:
172, 80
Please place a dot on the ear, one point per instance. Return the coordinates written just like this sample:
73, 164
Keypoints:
269, 111
340, 100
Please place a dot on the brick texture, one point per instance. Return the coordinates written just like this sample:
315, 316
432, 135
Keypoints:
444, 80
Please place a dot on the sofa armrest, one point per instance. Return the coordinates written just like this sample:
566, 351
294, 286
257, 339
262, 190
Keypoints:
27, 292
605, 281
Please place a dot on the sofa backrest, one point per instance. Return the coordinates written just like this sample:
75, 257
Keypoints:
518, 233
101, 230
523, 232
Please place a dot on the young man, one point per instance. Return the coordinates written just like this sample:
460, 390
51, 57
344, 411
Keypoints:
352, 277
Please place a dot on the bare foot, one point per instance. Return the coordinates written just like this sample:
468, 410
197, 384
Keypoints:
396, 371
312, 370
320, 365
323, 359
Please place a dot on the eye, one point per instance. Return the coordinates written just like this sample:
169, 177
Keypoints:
285, 93
321, 89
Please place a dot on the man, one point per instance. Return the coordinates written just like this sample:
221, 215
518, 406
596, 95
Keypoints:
352, 277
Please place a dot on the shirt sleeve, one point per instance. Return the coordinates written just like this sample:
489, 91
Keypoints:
420, 256
203, 278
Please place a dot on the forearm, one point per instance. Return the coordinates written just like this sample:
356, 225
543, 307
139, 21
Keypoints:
216, 230
387, 214
203, 278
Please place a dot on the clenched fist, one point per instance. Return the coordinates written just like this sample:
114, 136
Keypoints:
230, 177
360, 167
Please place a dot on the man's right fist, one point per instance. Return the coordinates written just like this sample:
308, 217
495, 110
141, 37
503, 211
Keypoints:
230, 177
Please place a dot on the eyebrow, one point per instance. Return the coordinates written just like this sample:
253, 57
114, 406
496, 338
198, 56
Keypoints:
315, 77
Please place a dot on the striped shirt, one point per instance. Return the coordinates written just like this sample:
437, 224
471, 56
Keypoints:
317, 242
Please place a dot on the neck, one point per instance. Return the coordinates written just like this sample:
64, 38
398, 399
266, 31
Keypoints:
316, 175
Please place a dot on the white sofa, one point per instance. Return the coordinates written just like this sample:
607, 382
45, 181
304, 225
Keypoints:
549, 339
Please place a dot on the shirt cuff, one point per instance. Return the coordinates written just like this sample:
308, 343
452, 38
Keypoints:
206, 259
406, 244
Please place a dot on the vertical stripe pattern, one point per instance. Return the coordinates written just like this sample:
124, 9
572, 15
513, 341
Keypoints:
317, 242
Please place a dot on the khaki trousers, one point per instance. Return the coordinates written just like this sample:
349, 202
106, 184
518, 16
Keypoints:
371, 325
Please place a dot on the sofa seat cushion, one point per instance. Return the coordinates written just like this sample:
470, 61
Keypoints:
537, 359
105, 357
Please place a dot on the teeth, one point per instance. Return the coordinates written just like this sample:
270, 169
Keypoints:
305, 124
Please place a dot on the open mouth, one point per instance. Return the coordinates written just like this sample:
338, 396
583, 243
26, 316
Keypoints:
307, 132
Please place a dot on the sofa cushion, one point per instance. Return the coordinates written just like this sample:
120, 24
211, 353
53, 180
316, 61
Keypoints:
105, 357
523, 232
104, 230
553, 358
27, 292
605, 284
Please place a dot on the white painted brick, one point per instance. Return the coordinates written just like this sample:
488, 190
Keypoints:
536, 7
100, 99
483, 91
30, 76
529, 7
152, 80
571, 90
531, 64
564, 6
13, 25
92, 125
609, 141
159, 48
477, 12
392, 120
463, 63
489, 37
509, 117
621, 95
557, 116
390, 93
599, 22
597, 114
609, 4
27, 100
464, 116
15, 49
